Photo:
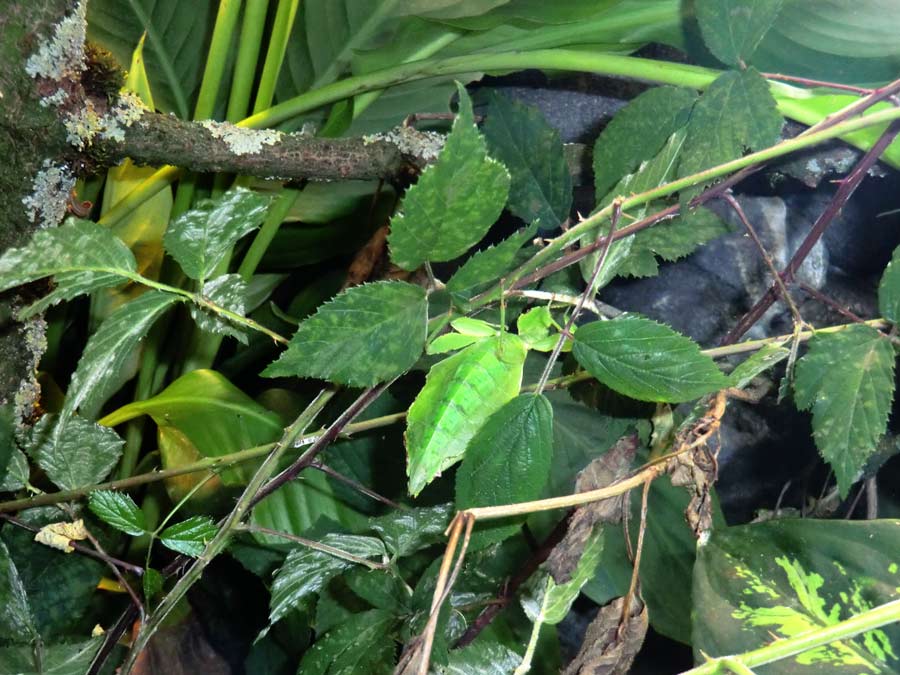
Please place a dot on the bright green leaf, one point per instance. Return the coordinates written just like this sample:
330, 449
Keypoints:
757, 363
507, 461
306, 570
646, 360
736, 113
200, 238
74, 452
638, 132
519, 136
99, 372
454, 202
189, 536
361, 644
450, 342
781, 578
119, 510
847, 380
368, 334
16, 618
474, 327
408, 530
889, 289
228, 291
460, 393
732, 29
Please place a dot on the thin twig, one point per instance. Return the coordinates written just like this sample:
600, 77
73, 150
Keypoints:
818, 83
594, 306
829, 302
635, 573
315, 545
356, 485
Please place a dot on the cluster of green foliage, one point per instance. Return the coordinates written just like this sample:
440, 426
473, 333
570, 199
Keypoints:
474, 366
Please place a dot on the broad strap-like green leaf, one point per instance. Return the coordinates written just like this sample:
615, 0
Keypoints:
756, 364
74, 452
889, 289
16, 618
454, 202
87, 256
736, 113
408, 530
361, 644
190, 536
541, 185
638, 132
228, 291
307, 570
119, 510
507, 461
102, 364
460, 394
646, 360
366, 335
847, 380
200, 238
732, 29
782, 578
486, 266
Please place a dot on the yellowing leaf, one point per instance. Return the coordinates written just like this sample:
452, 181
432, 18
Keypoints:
59, 535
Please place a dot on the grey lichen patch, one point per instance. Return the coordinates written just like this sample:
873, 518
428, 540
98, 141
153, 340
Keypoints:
50, 192
127, 111
28, 393
62, 56
85, 124
426, 145
242, 141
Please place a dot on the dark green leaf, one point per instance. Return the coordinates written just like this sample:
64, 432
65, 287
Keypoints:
454, 202
541, 185
228, 291
736, 113
487, 266
200, 238
484, 657
189, 536
54, 659
152, 581
17, 472
7, 442
82, 255
638, 132
460, 393
507, 461
99, 371
732, 29
366, 335
16, 618
405, 531
74, 452
362, 644
306, 570
646, 360
119, 510
889, 289
847, 380
781, 578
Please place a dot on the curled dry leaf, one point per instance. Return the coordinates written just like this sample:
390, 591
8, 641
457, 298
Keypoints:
59, 535
610, 644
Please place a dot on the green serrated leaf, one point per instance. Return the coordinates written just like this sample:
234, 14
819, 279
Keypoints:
455, 201
362, 644
200, 238
646, 360
190, 536
228, 291
17, 472
406, 531
366, 335
119, 510
306, 570
736, 113
460, 393
638, 132
81, 255
781, 578
74, 452
53, 659
732, 29
507, 461
484, 657
847, 380
519, 136
152, 582
889, 289
99, 371
757, 363
16, 618
487, 266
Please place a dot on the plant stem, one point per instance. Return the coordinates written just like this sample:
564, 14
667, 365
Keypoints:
783, 648
281, 30
315, 545
274, 218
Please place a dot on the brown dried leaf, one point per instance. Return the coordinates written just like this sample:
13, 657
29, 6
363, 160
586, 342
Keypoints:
609, 647
59, 535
